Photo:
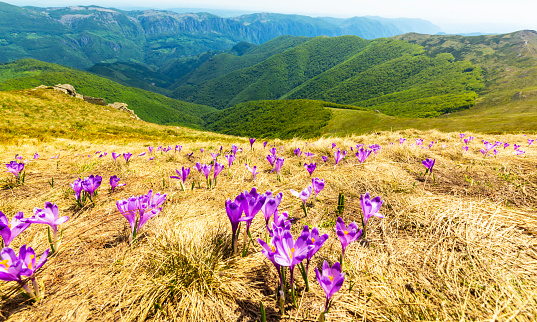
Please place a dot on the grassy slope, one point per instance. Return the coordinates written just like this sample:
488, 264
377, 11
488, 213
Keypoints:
461, 245
272, 119
148, 106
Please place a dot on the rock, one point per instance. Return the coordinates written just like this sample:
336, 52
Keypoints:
95, 100
66, 88
124, 107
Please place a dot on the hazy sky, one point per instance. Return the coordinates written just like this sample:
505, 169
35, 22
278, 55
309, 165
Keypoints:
467, 15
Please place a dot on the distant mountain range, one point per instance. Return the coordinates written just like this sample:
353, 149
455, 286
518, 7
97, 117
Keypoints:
83, 36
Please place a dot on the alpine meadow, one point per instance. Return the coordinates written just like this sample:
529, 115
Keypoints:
170, 165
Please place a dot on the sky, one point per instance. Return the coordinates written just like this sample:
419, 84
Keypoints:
491, 16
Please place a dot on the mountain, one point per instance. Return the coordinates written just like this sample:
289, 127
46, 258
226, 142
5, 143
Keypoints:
149, 106
82, 36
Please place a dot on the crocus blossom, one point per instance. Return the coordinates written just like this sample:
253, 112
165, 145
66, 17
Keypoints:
273, 151
178, 148
310, 167
234, 213
290, 252
401, 141
206, 169
333, 145
318, 185
331, 279
215, 156
429, 164
127, 156
36, 155
218, 167
251, 203
252, 170
182, 175
15, 168
278, 165
77, 187
370, 207
139, 209
48, 216
114, 182
363, 154
419, 142
271, 159
465, 148
198, 167
297, 152
115, 156
346, 234
324, 158
91, 184
10, 230
15, 268
530, 142
304, 194
252, 140
338, 157
230, 158
270, 207
142, 154
234, 149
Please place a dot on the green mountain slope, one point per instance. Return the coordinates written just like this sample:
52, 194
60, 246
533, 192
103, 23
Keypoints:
274, 76
272, 119
148, 106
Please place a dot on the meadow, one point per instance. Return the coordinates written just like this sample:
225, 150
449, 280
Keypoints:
455, 245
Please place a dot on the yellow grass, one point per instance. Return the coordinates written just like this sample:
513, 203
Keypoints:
460, 248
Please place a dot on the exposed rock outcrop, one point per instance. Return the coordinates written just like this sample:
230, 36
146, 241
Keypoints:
70, 90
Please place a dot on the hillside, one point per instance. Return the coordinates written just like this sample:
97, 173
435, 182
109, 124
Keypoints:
147, 105
82, 36
392, 76
459, 242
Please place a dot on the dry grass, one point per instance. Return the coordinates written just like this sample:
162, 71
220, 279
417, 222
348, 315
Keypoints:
462, 248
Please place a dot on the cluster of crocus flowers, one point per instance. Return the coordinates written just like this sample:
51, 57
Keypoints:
17, 169
89, 185
249, 203
22, 267
182, 175
139, 209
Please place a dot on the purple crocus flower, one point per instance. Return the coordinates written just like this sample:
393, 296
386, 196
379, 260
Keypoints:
363, 154
270, 207
401, 141
318, 185
234, 149
530, 142
484, 152
142, 154
150, 149
114, 182
218, 167
234, 213
278, 165
252, 140
466, 141
338, 156
310, 167
13, 268
370, 207
281, 221
206, 168
325, 158
265, 145
198, 167
251, 203
215, 156
462, 135
10, 230
516, 146
202, 150
431, 145
331, 279
271, 159
273, 151
309, 154
505, 145
465, 148
91, 184
429, 164
495, 151
15, 168
252, 170
115, 156
178, 148
304, 194
346, 234
290, 252
419, 142
489, 146
36, 155
18, 157
127, 156
230, 158
138, 210
317, 242
77, 187
129, 208
333, 145
182, 175
519, 152
297, 152
49, 216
